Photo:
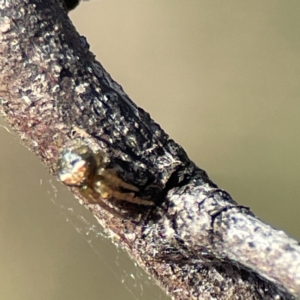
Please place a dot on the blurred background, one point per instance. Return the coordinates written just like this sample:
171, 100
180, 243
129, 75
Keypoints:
222, 78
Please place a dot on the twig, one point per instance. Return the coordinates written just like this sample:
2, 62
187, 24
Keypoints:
196, 241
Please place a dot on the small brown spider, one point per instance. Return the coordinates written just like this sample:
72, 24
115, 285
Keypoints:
79, 166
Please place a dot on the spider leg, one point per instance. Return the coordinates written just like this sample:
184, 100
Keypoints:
93, 198
107, 184
129, 197
106, 192
110, 176
127, 186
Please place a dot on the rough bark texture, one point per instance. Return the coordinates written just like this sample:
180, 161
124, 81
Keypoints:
196, 241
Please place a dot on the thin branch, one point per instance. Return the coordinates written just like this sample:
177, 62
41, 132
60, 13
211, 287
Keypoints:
196, 241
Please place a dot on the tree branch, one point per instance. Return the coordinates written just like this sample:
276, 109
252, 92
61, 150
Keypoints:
196, 241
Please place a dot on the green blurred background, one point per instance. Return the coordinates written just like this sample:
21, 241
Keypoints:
222, 78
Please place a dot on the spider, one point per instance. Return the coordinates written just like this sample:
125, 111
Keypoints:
79, 166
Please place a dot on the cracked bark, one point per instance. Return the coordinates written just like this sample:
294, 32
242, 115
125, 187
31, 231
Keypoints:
196, 241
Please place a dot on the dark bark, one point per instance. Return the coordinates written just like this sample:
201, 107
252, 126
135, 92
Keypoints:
196, 241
